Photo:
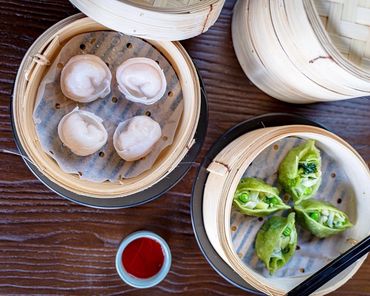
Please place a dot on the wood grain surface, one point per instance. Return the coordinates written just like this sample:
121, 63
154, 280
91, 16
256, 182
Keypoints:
49, 245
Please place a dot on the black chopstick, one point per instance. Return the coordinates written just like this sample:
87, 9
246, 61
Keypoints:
329, 271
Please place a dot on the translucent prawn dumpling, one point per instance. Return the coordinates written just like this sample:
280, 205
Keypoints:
141, 80
136, 137
85, 78
82, 132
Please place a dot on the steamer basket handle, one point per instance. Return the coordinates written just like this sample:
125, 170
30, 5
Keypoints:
41, 57
218, 168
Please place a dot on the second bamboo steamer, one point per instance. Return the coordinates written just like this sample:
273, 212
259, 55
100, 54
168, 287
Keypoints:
224, 173
284, 48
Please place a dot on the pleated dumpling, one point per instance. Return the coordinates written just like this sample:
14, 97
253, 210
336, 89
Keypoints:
300, 171
276, 241
254, 197
136, 137
82, 132
141, 80
321, 218
85, 78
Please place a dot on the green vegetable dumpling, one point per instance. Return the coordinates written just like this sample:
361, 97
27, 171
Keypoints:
300, 171
321, 218
276, 241
256, 198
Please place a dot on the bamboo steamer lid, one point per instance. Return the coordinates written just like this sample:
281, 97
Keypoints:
285, 49
32, 70
347, 24
225, 172
154, 19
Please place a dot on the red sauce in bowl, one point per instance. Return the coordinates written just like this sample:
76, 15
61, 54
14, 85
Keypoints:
143, 258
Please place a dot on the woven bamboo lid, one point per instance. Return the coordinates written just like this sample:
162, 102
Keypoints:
348, 26
154, 19
304, 51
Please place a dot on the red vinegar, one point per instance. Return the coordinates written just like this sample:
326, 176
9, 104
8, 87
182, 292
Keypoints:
143, 258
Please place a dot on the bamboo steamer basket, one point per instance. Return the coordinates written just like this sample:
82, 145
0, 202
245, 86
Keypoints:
31, 72
154, 19
225, 172
285, 49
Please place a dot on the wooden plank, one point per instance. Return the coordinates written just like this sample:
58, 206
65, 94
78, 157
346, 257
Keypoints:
49, 245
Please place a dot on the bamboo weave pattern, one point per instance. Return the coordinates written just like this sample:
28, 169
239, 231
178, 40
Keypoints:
348, 25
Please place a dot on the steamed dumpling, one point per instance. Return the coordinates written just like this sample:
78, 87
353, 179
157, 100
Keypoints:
321, 218
254, 197
82, 132
276, 241
141, 80
136, 137
300, 171
85, 78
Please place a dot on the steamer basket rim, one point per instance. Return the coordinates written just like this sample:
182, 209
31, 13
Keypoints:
117, 202
139, 198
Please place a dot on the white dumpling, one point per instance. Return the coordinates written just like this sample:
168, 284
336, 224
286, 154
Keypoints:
136, 137
85, 78
141, 80
82, 132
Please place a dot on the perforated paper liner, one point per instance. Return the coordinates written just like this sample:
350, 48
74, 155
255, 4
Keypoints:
312, 253
51, 105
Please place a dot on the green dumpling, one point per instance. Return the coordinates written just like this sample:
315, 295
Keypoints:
256, 198
300, 171
276, 241
321, 218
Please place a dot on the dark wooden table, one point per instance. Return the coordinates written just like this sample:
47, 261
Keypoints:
49, 245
